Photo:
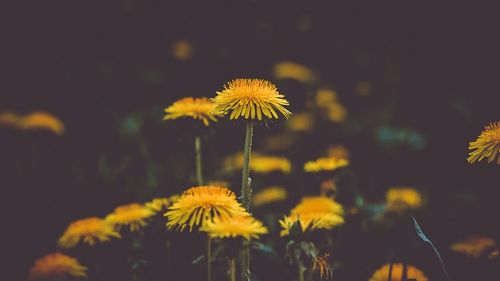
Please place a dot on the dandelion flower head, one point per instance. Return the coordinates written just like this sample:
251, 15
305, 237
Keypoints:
89, 230
313, 212
293, 70
382, 274
243, 225
486, 145
196, 108
251, 99
474, 246
56, 266
198, 205
158, 204
269, 195
133, 215
259, 163
403, 198
325, 164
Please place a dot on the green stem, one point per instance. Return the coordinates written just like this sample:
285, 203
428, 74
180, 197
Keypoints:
301, 270
232, 269
245, 261
209, 258
197, 149
246, 190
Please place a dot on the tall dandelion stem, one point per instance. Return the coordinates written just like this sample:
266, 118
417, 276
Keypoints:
209, 258
199, 167
246, 190
232, 269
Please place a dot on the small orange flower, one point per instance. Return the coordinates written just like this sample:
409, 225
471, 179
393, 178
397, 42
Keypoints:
90, 231
56, 266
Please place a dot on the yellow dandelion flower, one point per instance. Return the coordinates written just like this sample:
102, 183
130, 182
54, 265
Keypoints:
336, 112
475, 246
243, 225
259, 163
325, 164
486, 145
182, 50
196, 108
310, 222
337, 151
314, 212
321, 264
158, 204
43, 120
269, 195
317, 204
301, 122
201, 204
403, 198
293, 70
251, 98
382, 274
325, 96
56, 266
89, 231
133, 215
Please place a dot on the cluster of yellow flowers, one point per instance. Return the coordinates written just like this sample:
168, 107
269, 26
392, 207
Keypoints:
314, 212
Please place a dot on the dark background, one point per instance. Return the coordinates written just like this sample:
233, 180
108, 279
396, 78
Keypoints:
106, 69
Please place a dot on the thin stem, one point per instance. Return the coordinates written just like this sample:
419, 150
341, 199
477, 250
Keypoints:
232, 269
245, 261
246, 190
197, 149
209, 258
301, 270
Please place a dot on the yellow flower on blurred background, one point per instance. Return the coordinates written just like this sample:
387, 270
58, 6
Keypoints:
243, 225
327, 101
313, 212
56, 266
325, 164
198, 205
382, 274
293, 70
196, 108
475, 246
337, 151
259, 163
158, 204
325, 96
133, 215
251, 99
182, 50
37, 120
301, 122
486, 145
403, 198
89, 231
269, 195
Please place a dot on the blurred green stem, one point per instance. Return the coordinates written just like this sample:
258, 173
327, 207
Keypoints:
246, 194
197, 149
300, 270
232, 269
246, 190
